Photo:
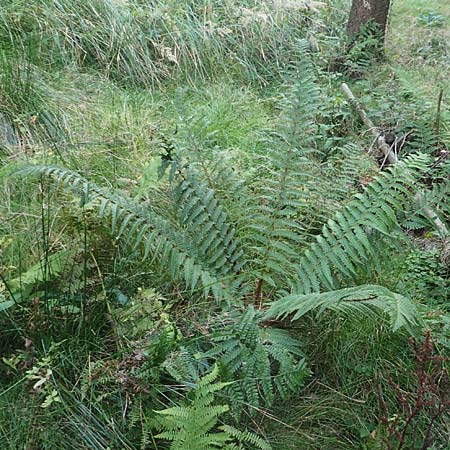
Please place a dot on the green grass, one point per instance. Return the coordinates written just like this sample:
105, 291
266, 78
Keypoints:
421, 53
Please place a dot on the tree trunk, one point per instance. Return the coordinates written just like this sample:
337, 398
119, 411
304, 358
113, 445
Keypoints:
364, 11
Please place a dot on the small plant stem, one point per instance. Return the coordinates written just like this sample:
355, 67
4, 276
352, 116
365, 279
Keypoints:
85, 267
427, 440
45, 229
258, 293
438, 112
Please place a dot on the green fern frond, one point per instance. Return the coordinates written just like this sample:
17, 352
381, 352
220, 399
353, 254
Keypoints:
287, 181
158, 236
435, 200
205, 223
345, 170
258, 362
194, 425
182, 366
301, 104
246, 437
264, 360
345, 242
359, 301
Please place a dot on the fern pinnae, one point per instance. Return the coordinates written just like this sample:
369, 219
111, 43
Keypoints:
193, 424
207, 225
284, 192
162, 239
362, 301
261, 362
245, 436
345, 240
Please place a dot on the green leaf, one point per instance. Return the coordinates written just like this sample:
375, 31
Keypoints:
357, 301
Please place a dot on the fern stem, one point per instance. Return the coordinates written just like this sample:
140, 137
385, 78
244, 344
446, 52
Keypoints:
258, 293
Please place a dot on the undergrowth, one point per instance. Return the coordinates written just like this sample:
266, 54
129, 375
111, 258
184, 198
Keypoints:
198, 248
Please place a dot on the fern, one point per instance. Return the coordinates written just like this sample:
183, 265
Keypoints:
424, 138
360, 301
286, 182
259, 362
185, 227
182, 365
202, 259
205, 223
246, 437
194, 425
345, 242
436, 198
265, 361
348, 169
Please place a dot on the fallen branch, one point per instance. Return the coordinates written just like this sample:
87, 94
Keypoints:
379, 138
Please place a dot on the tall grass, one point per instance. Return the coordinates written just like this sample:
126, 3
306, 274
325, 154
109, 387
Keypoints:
142, 43
28, 113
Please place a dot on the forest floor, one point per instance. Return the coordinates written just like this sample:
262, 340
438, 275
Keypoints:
75, 300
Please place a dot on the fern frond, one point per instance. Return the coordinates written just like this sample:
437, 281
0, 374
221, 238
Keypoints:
205, 223
264, 360
157, 235
345, 240
434, 201
182, 366
359, 301
286, 183
246, 437
192, 425
345, 169
301, 104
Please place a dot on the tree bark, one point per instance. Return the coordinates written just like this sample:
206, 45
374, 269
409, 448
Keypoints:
364, 11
